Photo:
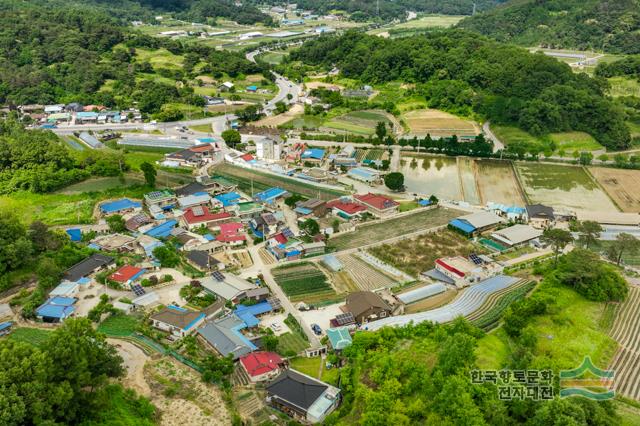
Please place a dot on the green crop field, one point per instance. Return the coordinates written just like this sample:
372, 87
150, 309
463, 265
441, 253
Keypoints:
360, 122
379, 231
575, 141
246, 178
33, 336
303, 281
304, 122
565, 141
623, 86
102, 184
119, 325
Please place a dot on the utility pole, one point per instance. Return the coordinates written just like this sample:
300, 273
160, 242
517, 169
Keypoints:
474, 9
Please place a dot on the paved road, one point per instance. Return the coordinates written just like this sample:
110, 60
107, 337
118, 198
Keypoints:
497, 143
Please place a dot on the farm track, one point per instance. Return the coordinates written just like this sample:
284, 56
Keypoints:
365, 276
626, 331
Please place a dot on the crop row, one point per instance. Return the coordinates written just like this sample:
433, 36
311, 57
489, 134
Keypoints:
490, 313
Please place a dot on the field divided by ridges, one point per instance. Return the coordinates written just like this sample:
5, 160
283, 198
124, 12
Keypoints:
626, 331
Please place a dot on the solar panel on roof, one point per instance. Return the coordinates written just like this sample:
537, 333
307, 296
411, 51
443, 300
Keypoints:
155, 194
287, 233
475, 259
198, 211
217, 275
138, 290
344, 319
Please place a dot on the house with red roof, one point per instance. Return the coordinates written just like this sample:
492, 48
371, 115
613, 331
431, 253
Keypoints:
230, 234
247, 158
195, 217
377, 204
127, 274
261, 366
346, 209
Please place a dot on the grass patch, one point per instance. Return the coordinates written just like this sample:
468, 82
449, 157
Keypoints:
246, 178
308, 366
291, 344
565, 141
493, 351
624, 86
204, 128
407, 206
102, 184
380, 231
304, 122
33, 336
119, 325
575, 141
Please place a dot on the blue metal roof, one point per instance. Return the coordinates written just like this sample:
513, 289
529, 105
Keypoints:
75, 234
209, 237
270, 194
303, 210
425, 203
5, 325
57, 308
248, 313
315, 153
463, 225
119, 205
163, 230
228, 199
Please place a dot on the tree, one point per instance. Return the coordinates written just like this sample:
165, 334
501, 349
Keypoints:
623, 244
292, 199
335, 225
116, 223
558, 239
585, 158
269, 342
394, 181
311, 227
15, 247
589, 232
250, 113
381, 130
231, 137
167, 256
217, 369
150, 173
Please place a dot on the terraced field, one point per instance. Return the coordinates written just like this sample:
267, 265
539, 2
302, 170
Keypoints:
626, 331
471, 300
383, 230
303, 282
489, 314
365, 276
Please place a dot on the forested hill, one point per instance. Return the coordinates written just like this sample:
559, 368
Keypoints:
609, 25
127, 10
386, 10
457, 70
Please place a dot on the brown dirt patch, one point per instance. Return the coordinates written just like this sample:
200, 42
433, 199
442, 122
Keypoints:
621, 185
438, 123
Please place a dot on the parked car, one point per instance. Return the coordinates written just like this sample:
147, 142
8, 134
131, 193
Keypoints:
275, 327
316, 329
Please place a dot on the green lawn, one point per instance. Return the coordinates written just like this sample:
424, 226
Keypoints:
119, 325
135, 158
291, 343
575, 141
204, 128
34, 336
273, 58
102, 184
308, 366
304, 122
406, 206
570, 331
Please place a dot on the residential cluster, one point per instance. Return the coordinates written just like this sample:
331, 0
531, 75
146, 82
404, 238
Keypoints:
50, 116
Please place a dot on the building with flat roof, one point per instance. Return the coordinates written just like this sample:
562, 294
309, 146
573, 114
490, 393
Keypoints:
364, 174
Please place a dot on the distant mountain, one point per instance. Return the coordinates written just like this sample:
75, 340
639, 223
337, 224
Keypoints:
609, 25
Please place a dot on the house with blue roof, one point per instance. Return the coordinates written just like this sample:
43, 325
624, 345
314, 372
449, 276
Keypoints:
270, 195
252, 88
248, 314
56, 309
123, 205
5, 328
163, 230
228, 199
178, 322
312, 155
75, 234
475, 223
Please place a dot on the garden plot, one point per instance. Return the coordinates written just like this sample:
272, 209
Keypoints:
625, 332
418, 254
497, 183
359, 122
623, 186
280, 119
371, 233
438, 123
303, 282
366, 276
563, 186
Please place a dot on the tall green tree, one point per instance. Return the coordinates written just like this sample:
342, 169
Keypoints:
394, 181
231, 137
310, 226
15, 246
589, 232
116, 223
381, 130
624, 244
558, 239
150, 173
